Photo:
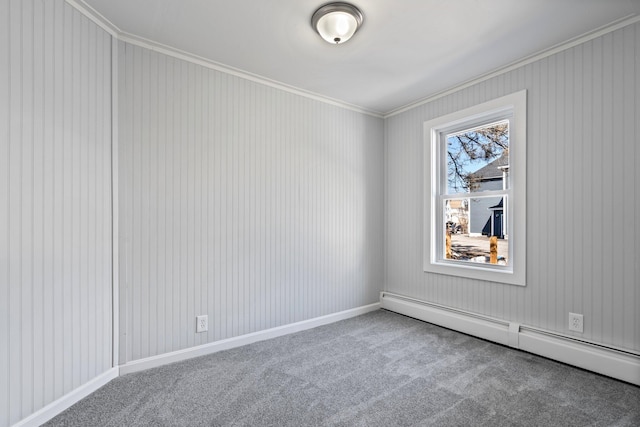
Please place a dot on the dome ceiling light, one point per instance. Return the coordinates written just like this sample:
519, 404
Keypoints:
337, 22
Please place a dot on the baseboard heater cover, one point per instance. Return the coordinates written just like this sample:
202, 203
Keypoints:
597, 358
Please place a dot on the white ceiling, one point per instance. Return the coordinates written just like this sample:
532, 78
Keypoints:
406, 50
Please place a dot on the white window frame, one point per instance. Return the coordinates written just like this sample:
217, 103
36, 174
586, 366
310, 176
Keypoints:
514, 108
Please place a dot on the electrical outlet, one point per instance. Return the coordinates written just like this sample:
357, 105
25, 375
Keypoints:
576, 322
202, 323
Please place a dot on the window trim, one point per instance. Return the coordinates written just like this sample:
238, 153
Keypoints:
514, 106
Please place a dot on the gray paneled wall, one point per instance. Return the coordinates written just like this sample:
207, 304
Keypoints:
55, 204
253, 205
583, 194
260, 207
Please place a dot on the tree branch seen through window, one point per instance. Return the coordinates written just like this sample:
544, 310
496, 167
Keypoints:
468, 151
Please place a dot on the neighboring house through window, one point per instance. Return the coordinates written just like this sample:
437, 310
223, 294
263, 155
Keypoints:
486, 215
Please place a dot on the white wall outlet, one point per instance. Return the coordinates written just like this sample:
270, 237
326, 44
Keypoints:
202, 323
576, 322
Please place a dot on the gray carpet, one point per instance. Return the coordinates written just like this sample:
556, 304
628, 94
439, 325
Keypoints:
379, 369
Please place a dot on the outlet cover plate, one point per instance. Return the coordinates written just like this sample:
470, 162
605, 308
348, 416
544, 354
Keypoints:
202, 323
576, 322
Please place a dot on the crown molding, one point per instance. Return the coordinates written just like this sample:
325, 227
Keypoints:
133, 39
94, 16
605, 29
195, 59
118, 34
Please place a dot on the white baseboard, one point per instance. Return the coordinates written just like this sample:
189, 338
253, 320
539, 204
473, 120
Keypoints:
597, 358
66, 401
69, 399
226, 344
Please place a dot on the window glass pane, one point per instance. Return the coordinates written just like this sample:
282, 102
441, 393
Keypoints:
478, 159
469, 225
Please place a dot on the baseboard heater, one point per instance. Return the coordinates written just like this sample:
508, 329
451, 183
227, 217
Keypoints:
616, 363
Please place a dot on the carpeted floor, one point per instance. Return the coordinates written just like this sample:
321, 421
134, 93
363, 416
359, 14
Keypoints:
378, 369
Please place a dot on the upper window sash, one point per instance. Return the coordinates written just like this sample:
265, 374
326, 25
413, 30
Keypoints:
442, 147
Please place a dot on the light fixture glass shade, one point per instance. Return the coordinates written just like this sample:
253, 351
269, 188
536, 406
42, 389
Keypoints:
337, 22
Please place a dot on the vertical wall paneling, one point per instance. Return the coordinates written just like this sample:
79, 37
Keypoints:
617, 175
5, 174
583, 197
55, 204
250, 204
633, 133
630, 155
114, 327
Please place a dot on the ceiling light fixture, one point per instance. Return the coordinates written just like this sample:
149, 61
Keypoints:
337, 22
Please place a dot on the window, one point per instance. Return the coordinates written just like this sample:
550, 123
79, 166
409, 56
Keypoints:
474, 192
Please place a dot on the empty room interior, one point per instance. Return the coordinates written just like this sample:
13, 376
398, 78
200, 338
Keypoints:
309, 213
